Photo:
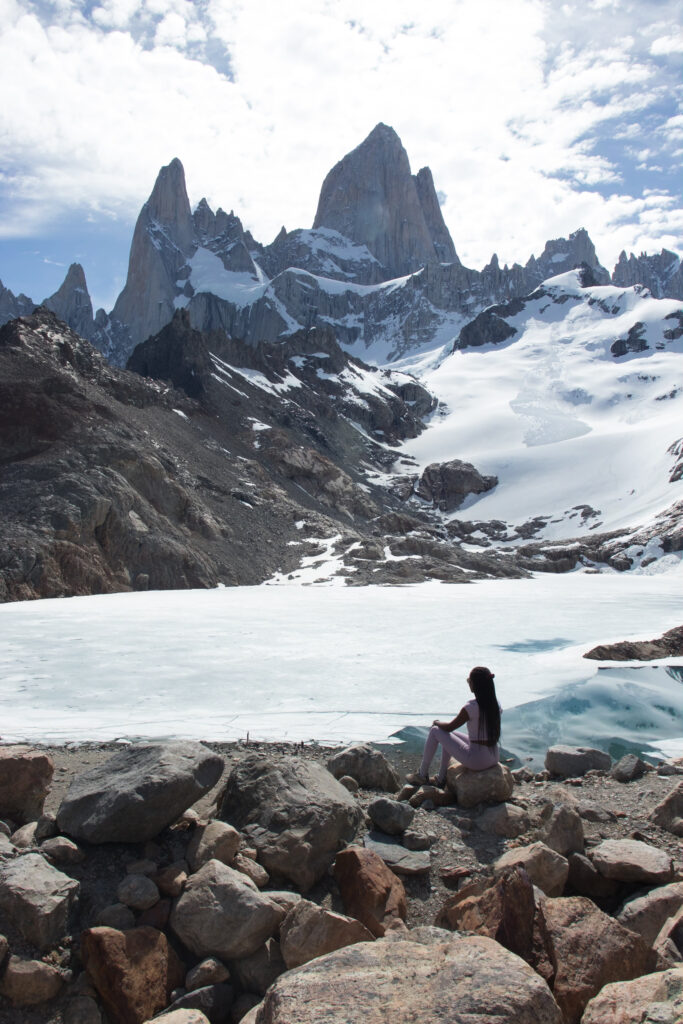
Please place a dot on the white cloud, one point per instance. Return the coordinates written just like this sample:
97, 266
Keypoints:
508, 103
666, 45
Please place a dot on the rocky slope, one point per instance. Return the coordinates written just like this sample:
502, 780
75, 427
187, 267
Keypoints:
114, 481
553, 892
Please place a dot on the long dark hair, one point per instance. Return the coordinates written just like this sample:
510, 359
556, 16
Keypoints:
489, 711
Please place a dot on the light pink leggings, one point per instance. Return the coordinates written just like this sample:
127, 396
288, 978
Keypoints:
476, 756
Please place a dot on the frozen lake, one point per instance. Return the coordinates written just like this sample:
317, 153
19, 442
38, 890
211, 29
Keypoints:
335, 664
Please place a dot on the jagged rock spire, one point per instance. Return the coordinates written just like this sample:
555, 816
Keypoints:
71, 302
372, 198
162, 243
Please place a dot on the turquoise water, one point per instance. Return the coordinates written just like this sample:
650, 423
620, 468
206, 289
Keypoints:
619, 710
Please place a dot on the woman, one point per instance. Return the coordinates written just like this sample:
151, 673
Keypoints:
477, 751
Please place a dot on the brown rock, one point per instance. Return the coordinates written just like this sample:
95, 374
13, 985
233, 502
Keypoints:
215, 841
256, 973
546, 869
647, 914
309, 931
183, 1017
629, 860
252, 869
585, 879
367, 766
669, 812
506, 820
60, 850
654, 997
25, 777
134, 972
493, 785
156, 916
26, 982
137, 892
591, 949
171, 880
507, 912
370, 891
440, 977
209, 972
563, 829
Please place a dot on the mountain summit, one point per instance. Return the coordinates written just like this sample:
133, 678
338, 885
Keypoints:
371, 197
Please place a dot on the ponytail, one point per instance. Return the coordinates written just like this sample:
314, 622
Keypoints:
489, 710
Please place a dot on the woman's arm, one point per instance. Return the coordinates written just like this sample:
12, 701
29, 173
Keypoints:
460, 719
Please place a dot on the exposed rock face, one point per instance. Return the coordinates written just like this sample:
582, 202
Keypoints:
646, 915
661, 273
447, 978
12, 305
295, 813
546, 868
669, 645
440, 235
138, 792
71, 303
669, 813
447, 484
163, 241
372, 198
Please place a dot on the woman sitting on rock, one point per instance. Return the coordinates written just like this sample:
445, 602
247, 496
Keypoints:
479, 749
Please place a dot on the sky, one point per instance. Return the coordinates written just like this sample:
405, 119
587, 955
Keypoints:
536, 117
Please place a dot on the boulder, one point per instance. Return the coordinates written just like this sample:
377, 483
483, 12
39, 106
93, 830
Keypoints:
25, 777
156, 916
60, 850
449, 978
221, 913
134, 972
295, 813
656, 998
182, 1017
629, 860
546, 868
506, 911
310, 931
27, 982
137, 892
669, 813
36, 897
447, 484
138, 792
370, 891
117, 916
256, 973
25, 837
252, 869
214, 1001
629, 768
82, 1010
585, 879
209, 972
590, 949
369, 767
506, 820
571, 762
646, 915
171, 880
395, 855
563, 830
390, 816
493, 785
670, 938
214, 841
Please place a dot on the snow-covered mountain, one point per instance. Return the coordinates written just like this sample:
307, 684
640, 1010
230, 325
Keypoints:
573, 399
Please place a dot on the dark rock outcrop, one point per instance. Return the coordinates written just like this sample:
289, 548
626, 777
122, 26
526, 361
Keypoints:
447, 484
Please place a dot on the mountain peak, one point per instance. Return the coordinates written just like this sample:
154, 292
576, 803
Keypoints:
372, 198
71, 302
168, 202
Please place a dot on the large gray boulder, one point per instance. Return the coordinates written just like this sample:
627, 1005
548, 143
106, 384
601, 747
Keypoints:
138, 792
294, 812
369, 767
575, 761
449, 978
646, 915
36, 897
221, 913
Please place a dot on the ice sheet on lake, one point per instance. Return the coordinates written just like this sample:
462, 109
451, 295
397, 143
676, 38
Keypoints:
330, 664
